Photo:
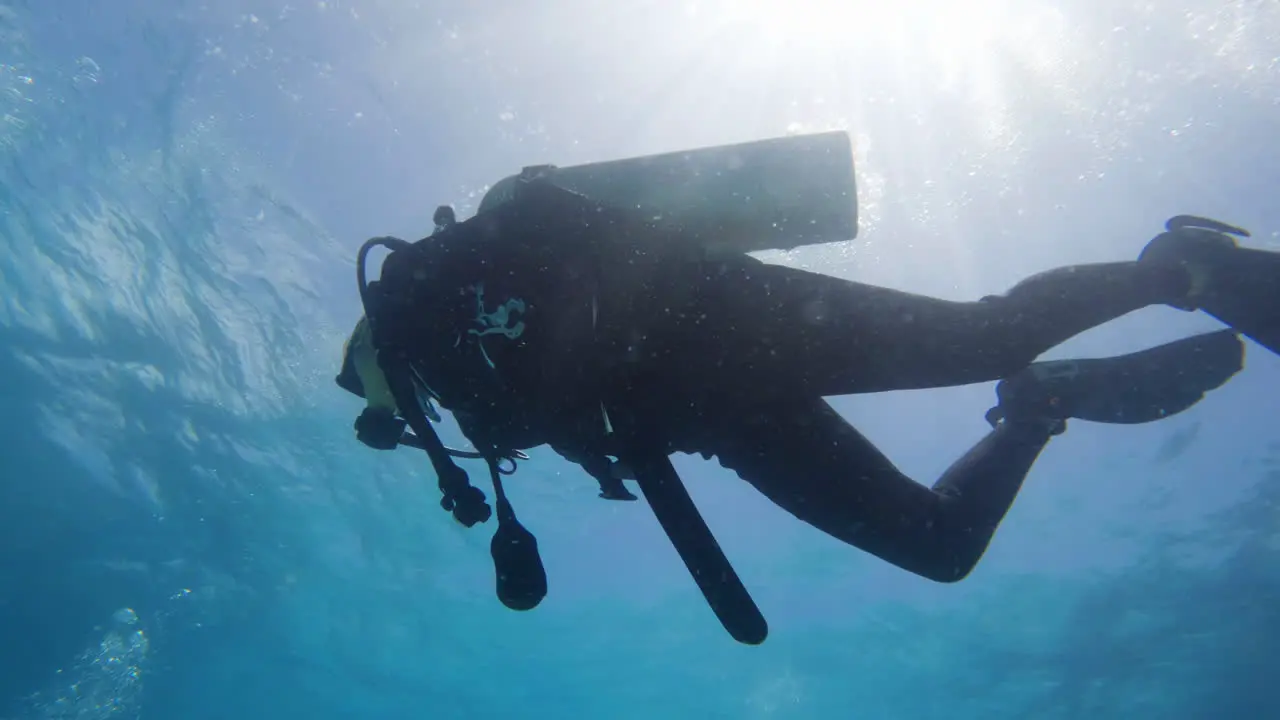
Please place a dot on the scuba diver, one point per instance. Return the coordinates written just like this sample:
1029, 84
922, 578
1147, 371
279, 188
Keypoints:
617, 332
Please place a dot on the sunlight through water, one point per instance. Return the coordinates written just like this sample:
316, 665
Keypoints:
189, 527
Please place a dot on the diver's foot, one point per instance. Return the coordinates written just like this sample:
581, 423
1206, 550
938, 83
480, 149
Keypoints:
1127, 389
1202, 247
1238, 286
1034, 397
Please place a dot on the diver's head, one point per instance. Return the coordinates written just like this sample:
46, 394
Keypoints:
360, 341
361, 374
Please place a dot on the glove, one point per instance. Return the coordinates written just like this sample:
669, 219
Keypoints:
464, 500
379, 428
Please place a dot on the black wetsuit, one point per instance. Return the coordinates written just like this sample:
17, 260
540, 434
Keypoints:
627, 342
759, 345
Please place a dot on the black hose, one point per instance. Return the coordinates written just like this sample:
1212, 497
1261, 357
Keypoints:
521, 579
410, 440
390, 243
465, 501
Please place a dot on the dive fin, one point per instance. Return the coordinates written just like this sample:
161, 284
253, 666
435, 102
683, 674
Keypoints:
1243, 288
1128, 389
688, 532
1247, 298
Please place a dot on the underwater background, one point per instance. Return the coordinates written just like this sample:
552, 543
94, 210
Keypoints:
189, 529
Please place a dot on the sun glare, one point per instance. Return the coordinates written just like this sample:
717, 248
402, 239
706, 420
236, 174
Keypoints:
951, 33
929, 48
937, 86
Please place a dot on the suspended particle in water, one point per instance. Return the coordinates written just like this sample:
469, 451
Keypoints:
88, 72
125, 616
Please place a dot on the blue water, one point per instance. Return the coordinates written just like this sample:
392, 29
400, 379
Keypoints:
188, 528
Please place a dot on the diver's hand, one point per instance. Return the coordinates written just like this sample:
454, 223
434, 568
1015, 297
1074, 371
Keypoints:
468, 506
464, 500
611, 488
379, 428
616, 491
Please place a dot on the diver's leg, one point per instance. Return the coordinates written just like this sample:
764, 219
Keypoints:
809, 461
772, 326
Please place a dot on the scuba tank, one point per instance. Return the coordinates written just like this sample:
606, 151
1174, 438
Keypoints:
774, 194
